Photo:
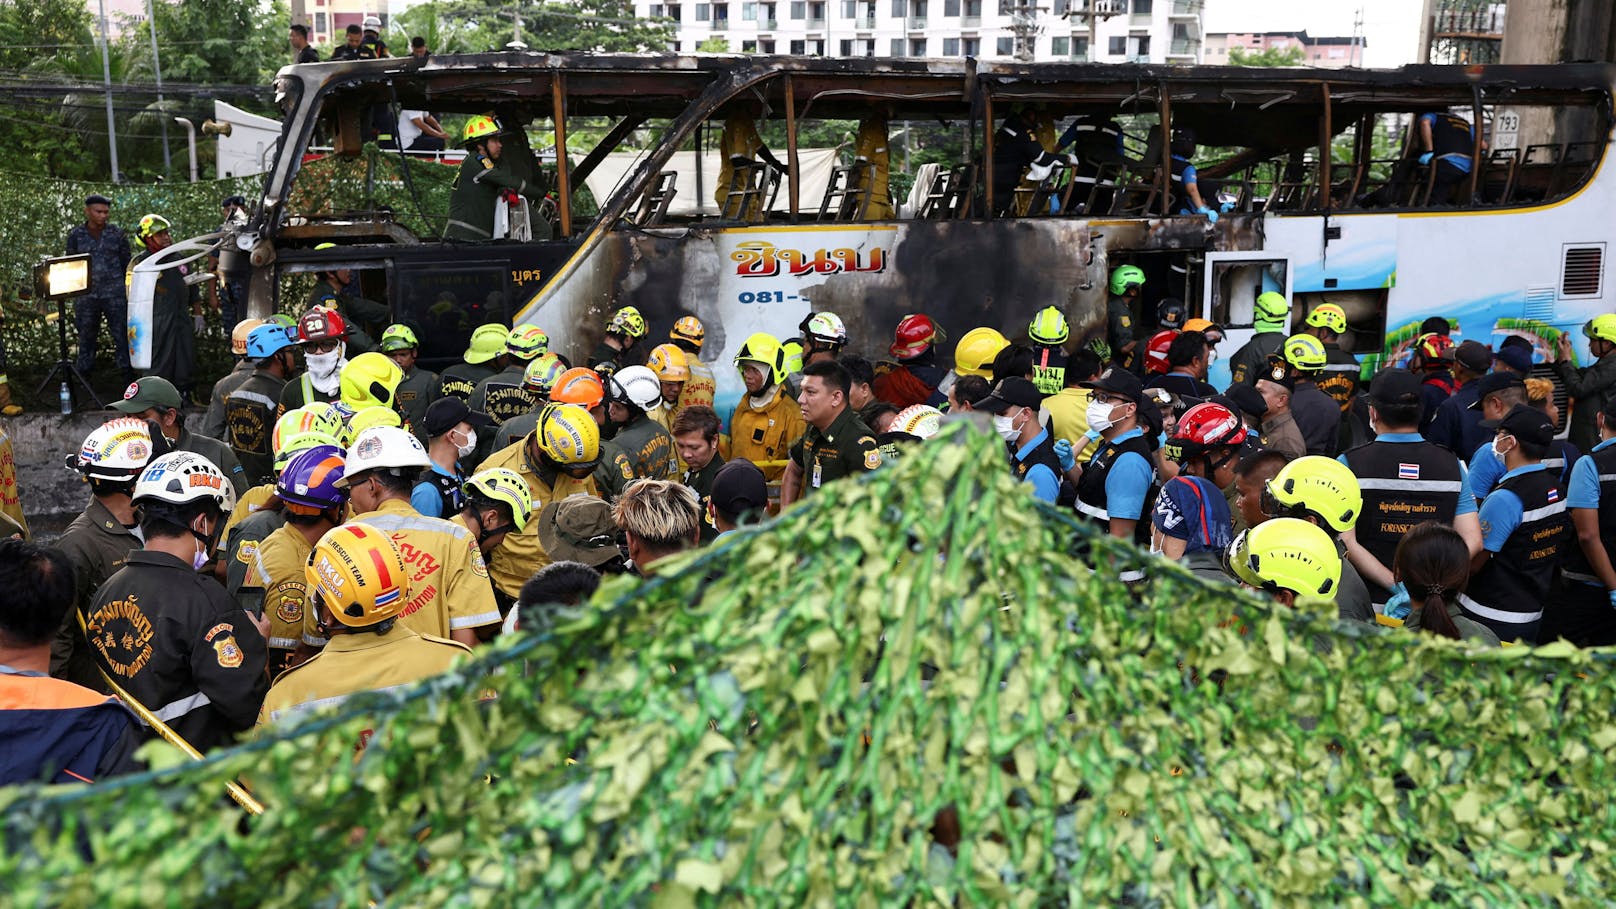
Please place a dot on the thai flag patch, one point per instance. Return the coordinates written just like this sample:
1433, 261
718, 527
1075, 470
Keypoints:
388, 598
1554, 495
1408, 471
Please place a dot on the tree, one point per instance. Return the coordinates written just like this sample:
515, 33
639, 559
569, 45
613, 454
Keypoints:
713, 46
1273, 56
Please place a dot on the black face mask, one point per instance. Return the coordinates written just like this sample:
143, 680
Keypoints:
487, 532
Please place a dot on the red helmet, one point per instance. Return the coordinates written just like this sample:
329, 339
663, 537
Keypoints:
320, 323
1156, 351
915, 335
1201, 429
1432, 351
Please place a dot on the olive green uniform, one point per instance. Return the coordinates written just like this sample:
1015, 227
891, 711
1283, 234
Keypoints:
213, 420
415, 394
461, 379
475, 197
217, 452
95, 544
362, 315
249, 416
649, 448
701, 483
846, 448
614, 472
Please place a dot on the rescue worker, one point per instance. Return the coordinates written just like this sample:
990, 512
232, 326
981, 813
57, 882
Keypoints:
741, 144
504, 394
213, 424
862, 372
556, 460
1251, 478
359, 586
359, 315
485, 183
632, 395
108, 248
1592, 387
695, 437
1185, 180
461, 379
251, 409
1268, 314
1286, 558
1526, 533
688, 334
1048, 331
1584, 609
249, 526
370, 382
322, 334
672, 371
450, 596
171, 638
1279, 429
1324, 493
1170, 314
624, 331
372, 36
582, 387
1187, 366
1328, 322
835, 442
452, 428
1432, 361
1156, 348
766, 421
311, 503
1115, 486
1317, 415
498, 503
540, 376
1405, 480
1015, 403
973, 356
1448, 144
1191, 523
1016, 153
1068, 410
823, 336
870, 147
1127, 286
1456, 424
659, 519
154, 398
175, 307
419, 387
98, 541
916, 379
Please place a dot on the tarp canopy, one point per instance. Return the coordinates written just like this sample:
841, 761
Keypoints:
814, 165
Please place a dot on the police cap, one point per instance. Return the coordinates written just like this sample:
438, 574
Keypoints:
1525, 423
1494, 382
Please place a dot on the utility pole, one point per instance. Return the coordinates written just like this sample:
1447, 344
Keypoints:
1024, 26
106, 77
1357, 38
157, 74
1091, 15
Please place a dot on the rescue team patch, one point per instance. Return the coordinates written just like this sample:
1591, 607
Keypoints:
227, 652
221, 628
478, 566
872, 457
248, 553
290, 607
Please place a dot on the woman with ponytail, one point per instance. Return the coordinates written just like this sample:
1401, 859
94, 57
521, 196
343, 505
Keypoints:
1433, 564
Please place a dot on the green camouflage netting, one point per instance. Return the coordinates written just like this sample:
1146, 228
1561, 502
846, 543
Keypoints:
909, 691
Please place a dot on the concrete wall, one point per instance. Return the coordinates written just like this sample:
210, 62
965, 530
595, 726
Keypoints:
51, 494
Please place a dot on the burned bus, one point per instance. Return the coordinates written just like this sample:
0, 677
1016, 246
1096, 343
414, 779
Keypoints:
1314, 181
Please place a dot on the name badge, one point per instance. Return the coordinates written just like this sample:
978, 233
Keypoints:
816, 473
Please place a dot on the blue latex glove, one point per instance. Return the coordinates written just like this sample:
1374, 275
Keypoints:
1425, 158
1210, 214
1612, 599
1090, 435
1226, 207
1063, 451
1398, 607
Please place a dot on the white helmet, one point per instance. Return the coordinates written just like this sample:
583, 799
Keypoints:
381, 448
373, 23
117, 450
919, 420
182, 477
636, 385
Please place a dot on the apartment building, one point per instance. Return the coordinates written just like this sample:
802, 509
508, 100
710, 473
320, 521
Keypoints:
1327, 52
1122, 31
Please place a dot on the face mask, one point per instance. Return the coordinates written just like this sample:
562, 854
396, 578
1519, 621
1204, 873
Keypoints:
207, 542
324, 369
1005, 426
1499, 452
1099, 414
465, 450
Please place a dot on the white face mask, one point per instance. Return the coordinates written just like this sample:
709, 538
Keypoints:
324, 369
1005, 426
1499, 452
1099, 414
465, 450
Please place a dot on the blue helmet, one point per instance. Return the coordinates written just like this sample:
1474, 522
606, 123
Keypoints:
267, 339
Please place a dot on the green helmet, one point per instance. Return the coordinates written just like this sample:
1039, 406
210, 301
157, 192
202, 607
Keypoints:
1271, 309
1126, 276
1049, 326
1305, 353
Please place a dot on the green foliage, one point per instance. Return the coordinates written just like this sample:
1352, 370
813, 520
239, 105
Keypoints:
1272, 56
713, 46
908, 691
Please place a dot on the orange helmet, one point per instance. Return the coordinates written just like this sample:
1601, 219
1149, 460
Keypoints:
1432, 351
579, 385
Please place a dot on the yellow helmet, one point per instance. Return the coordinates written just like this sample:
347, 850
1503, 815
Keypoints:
688, 328
370, 380
793, 351
478, 129
399, 337
974, 354
1328, 315
524, 342
764, 348
151, 226
298, 442
1305, 353
569, 435
1602, 327
1271, 309
1049, 327
1322, 487
238, 335
669, 363
501, 484
541, 373
357, 571
627, 322
1286, 554
319, 418
371, 416
487, 342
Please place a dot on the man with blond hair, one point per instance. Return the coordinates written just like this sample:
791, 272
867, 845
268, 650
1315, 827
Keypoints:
660, 518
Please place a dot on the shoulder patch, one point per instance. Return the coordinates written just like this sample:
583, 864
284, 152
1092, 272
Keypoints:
248, 552
479, 567
227, 652
872, 452
1126, 322
289, 608
221, 628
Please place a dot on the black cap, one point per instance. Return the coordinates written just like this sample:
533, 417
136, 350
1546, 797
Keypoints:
1118, 381
739, 488
447, 413
1012, 392
1278, 372
1394, 386
1515, 356
1495, 382
1436, 325
1474, 356
1526, 423
1246, 400
97, 199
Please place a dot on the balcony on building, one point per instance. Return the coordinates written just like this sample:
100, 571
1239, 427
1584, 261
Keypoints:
1186, 9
